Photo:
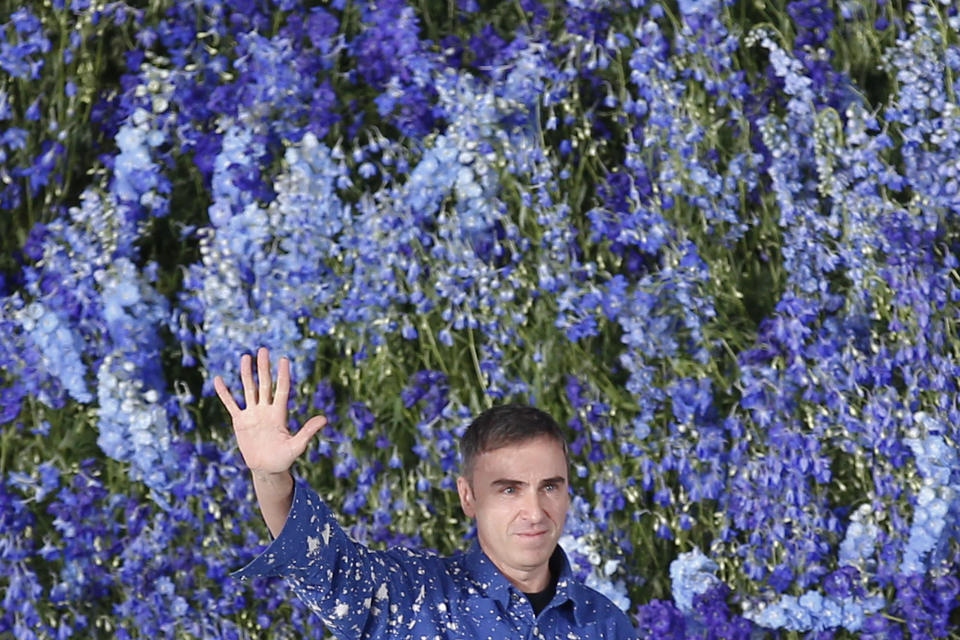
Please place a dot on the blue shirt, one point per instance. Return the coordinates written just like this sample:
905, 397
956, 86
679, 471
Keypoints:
415, 595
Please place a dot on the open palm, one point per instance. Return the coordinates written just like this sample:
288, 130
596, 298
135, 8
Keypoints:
261, 429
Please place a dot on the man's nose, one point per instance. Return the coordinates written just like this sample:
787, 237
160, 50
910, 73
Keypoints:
533, 506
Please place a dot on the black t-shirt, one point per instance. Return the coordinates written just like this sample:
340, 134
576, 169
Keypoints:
541, 599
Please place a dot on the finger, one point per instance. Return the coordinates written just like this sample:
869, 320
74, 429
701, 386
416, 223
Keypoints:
301, 438
246, 376
283, 382
225, 396
263, 373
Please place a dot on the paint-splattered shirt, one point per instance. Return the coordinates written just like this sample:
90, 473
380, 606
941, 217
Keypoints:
413, 595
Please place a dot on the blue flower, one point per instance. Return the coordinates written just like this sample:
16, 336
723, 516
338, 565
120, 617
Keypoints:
15, 138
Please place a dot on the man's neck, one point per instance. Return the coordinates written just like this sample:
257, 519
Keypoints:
529, 581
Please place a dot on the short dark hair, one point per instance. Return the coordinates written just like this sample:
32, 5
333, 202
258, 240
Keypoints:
504, 425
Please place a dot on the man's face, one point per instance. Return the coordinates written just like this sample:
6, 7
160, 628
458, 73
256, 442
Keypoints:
518, 495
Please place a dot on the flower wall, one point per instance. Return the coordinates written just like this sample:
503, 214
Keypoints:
717, 240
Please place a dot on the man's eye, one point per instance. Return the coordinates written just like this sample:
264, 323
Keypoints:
549, 487
509, 490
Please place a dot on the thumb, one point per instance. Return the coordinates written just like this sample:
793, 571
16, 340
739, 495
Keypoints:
309, 429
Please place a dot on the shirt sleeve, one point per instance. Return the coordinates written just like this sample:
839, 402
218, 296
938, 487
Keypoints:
349, 586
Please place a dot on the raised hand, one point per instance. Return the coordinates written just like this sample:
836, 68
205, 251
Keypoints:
264, 440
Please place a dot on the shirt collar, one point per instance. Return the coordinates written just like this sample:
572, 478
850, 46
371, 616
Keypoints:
486, 577
494, 585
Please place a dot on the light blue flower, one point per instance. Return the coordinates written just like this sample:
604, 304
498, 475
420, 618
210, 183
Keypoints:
691, 574
860, 539
60, 345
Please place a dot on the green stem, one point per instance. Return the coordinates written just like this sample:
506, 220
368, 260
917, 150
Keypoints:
5, 440
471, 343
29, 221
432, 343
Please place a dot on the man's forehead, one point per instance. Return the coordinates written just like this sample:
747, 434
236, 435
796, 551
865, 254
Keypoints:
542, 453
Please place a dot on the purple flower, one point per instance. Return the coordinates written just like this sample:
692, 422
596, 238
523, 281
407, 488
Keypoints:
660, 619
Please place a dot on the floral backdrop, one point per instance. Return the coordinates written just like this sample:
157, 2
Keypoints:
717, 239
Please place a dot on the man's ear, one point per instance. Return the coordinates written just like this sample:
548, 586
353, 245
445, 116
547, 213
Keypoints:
466, 497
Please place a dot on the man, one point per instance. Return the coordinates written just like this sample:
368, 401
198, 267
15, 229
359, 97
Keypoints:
514, 582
